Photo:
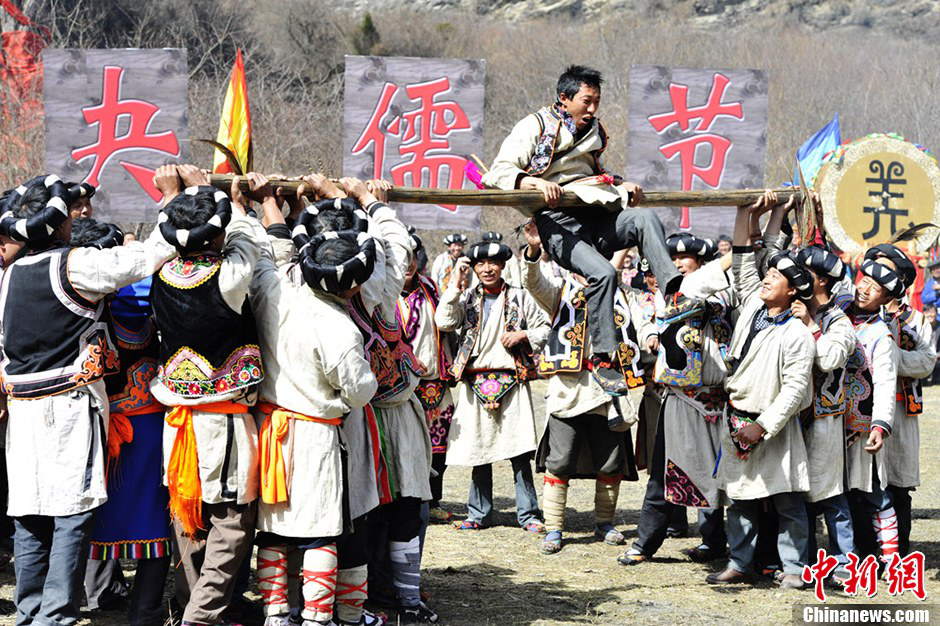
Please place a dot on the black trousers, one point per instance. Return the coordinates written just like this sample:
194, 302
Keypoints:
582, 240
656, 512
439, 465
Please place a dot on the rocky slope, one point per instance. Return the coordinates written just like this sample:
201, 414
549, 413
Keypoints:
906, 18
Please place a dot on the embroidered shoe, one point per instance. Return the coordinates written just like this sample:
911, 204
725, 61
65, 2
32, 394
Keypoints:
468, 525
632, 557
681, 308
420, 614
277, 620
609, 534
368, 618
704, 554
607, 378
551, 544
536, 527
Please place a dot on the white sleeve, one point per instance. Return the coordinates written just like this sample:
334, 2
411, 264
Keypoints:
514, 154
243, 240
96, 273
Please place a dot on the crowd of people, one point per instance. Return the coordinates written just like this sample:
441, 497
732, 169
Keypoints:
290, 378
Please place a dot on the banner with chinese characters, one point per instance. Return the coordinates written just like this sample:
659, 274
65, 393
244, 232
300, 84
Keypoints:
112, 117
415, 122
694, 129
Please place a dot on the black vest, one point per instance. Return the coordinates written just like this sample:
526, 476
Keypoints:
206, 348
54, 339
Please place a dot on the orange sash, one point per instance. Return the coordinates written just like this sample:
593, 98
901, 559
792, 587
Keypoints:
182, 471
273, 431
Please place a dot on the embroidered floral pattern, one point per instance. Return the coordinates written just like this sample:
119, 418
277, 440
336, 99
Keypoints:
491, 387
680, 489
439, 430
99, 359
735, 423
189, 272
189, 374
430, 393
135, 397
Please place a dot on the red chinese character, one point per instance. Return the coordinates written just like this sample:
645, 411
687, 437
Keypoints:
681, 114
107, 116
373, 132
865, 576
906, 574
687, 149
818, 572
423, 132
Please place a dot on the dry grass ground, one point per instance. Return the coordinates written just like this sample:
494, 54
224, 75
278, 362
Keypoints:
498, 576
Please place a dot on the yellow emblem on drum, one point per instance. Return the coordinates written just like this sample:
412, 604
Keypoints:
876, 186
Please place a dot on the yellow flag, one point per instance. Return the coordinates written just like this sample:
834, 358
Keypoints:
235, 123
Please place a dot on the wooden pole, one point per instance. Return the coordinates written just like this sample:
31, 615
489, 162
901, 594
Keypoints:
528, 202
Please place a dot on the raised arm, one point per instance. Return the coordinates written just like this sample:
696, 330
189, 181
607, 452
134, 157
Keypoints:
834, 346
545, 290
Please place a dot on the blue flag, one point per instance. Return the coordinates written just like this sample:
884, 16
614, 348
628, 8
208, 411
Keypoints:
810, 154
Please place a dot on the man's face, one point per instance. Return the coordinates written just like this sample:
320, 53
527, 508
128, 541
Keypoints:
724, 247
686, 263
651, 283
931, 315
9, 248
489, 272
81, 208
869, 295
935, 273
775, 288
583, 106
455, 250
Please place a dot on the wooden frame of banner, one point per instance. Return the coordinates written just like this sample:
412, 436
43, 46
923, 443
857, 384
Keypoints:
530, 202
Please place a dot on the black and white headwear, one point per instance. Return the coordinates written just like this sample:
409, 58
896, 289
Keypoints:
111, 237
884, 276
489, 250
686, 243
785, 263
193, 239
492, 236
905, 267
306, 222
336, 279
455, 238
821, 262
38, 228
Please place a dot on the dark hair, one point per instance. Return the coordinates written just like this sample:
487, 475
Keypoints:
724, 238
570, 82
334, 252
32, 202
333, 219
186, 211
87, 230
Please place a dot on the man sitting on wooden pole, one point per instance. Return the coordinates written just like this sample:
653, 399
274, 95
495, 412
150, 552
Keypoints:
561, 145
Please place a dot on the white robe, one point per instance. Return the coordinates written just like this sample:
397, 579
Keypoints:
825, 436
55, 446
479, 436
402, 415
772, 381
875, 344
902, 448
316, 370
